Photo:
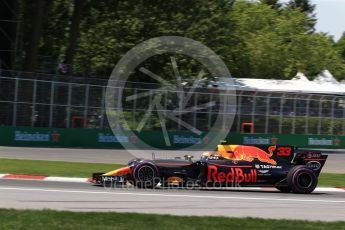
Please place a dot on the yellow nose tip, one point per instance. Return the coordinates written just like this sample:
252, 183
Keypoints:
119, 172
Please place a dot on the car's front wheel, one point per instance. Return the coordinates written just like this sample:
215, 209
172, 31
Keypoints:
145, 175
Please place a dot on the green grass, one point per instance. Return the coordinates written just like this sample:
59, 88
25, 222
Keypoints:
332, 179
75, 169
29, 219
53, 168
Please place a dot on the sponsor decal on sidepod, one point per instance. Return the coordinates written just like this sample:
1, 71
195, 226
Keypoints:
314, 165
234, 175
247, 153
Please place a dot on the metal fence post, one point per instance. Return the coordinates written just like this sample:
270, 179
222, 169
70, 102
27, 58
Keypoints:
87, 90
51, 109
254, 108
134, 108
102, 108
239, 108
294, 115
195, 113
150, 102
268, 100
320, 116
68, 118
14, 121
119, 117
209, 120
332, 117
307, 115
282, 100
180, 106
33, 104
224, 112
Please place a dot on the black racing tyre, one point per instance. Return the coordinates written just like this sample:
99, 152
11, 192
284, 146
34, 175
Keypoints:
284, 189
145, 175
302, 179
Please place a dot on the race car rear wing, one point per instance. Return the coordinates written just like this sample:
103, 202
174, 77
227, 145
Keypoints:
310, 158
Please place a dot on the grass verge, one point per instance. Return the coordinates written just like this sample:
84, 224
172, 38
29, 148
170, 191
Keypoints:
29, 219
75, 169
53, 168
332, 180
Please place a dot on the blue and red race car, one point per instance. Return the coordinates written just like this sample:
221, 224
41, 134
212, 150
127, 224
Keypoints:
284, 167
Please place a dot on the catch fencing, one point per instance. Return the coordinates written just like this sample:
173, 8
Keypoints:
34, 100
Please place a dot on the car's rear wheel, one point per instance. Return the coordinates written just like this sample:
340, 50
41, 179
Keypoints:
302, 179
145, 175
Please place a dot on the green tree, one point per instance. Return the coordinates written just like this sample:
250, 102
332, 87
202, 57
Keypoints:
275, 4
306, 7
34, 29
112, 29
74, 31
341, 45
303, 5
54, 39
256, 39
276, 45
314, 53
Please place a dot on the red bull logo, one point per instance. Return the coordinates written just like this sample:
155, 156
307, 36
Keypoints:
234, 175
247, 153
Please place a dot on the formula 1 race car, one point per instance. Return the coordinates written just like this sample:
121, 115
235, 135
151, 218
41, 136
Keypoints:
284, 167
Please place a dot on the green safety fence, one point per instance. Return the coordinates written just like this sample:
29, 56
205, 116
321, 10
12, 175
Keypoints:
97, 138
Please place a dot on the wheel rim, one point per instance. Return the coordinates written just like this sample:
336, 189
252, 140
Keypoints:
145, 173
305, 180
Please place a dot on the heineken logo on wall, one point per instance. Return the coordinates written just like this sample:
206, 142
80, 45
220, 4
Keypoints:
108, 138
36, 136
260, 140
178, 139
323, 141
256, 141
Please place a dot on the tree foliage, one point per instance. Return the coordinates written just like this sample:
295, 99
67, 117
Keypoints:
341, 45
305, 6
273, 44
275, 4
256, 39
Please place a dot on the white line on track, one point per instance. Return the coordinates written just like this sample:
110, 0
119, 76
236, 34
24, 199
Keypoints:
321, 189
175, 195
66, 179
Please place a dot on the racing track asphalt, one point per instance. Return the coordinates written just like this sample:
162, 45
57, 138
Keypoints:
325, 206
334, 164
